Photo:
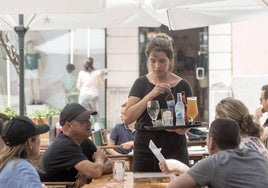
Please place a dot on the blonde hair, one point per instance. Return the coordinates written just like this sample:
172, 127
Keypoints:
161, 43
21, 151
237, 111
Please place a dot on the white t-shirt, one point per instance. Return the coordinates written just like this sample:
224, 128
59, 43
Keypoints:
88, 82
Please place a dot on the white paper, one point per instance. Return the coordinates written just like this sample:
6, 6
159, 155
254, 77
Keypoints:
156, 151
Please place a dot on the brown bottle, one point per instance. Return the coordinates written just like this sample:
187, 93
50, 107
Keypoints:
186, 118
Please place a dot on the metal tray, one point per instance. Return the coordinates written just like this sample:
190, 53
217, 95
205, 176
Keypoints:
188, 125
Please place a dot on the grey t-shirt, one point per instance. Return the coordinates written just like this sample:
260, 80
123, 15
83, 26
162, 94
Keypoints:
236, 168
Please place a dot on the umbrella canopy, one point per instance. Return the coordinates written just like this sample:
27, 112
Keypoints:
199, 13
107, 14
176, 14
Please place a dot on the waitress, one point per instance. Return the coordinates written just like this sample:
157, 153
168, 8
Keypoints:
160, 54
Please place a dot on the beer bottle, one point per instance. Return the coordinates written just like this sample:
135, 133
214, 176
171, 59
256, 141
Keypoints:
170, 100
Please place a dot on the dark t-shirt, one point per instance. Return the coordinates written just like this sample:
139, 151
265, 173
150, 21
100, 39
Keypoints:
142, 87
174, 146
60, 158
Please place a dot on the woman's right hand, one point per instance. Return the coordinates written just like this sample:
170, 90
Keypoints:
158, 89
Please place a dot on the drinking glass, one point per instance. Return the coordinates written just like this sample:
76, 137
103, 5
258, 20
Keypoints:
167, 116
153, 110
192, 110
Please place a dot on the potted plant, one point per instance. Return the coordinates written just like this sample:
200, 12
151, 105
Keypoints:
46, 116
10, 112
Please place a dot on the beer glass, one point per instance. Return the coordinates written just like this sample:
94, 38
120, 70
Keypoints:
192, 109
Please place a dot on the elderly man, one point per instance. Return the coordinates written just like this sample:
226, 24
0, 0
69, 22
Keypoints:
228, 166
67, 158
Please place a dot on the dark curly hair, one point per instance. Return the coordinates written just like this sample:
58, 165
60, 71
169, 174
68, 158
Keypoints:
161, 43
88, 66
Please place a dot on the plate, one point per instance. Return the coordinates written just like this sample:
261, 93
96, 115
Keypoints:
188, 125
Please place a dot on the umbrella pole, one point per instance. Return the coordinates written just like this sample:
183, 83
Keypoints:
21, 30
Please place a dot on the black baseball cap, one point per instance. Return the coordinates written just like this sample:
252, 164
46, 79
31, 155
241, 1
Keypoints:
20, 128
75, 111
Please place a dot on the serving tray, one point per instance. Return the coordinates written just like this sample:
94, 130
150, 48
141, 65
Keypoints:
187, 125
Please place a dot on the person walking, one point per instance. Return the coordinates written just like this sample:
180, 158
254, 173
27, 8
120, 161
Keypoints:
87, 83
152, 86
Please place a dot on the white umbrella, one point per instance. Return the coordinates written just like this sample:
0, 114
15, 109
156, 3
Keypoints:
109, 13
183, 14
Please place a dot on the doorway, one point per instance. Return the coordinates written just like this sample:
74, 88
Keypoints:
191, 60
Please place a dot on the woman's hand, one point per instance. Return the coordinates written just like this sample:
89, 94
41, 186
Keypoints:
159, 88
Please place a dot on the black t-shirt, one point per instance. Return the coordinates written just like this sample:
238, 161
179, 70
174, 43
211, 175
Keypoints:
60, 158
142, 86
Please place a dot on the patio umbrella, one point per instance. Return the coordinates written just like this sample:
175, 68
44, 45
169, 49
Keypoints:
68, 14
183, 14
32, 7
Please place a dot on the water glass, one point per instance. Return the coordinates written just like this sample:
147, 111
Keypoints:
167, 117
119, 170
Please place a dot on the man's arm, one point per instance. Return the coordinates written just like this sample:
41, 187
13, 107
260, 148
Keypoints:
183, 181
94, 169
111, 151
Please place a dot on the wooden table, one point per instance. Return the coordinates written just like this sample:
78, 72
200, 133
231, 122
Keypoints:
132, 180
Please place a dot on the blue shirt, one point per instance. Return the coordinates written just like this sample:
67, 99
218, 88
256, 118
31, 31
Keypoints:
121, 134
19, 174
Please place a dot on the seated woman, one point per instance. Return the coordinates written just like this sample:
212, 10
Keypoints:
21, 137
250, 129
122, 135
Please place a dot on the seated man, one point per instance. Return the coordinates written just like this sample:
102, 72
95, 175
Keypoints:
122, 135
228, 166
64, 159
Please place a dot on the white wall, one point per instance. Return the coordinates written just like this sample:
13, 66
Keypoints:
123, 69
220, 65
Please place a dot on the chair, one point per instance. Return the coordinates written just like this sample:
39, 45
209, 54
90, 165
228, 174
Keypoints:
99, 137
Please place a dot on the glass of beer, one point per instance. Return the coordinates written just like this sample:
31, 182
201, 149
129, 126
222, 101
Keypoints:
192, 110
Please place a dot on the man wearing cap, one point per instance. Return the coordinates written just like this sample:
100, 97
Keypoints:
21, 137
228, 166
64, 159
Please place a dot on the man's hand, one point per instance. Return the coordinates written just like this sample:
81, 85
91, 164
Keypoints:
173, 166
258, 112
100, 154
127, 145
